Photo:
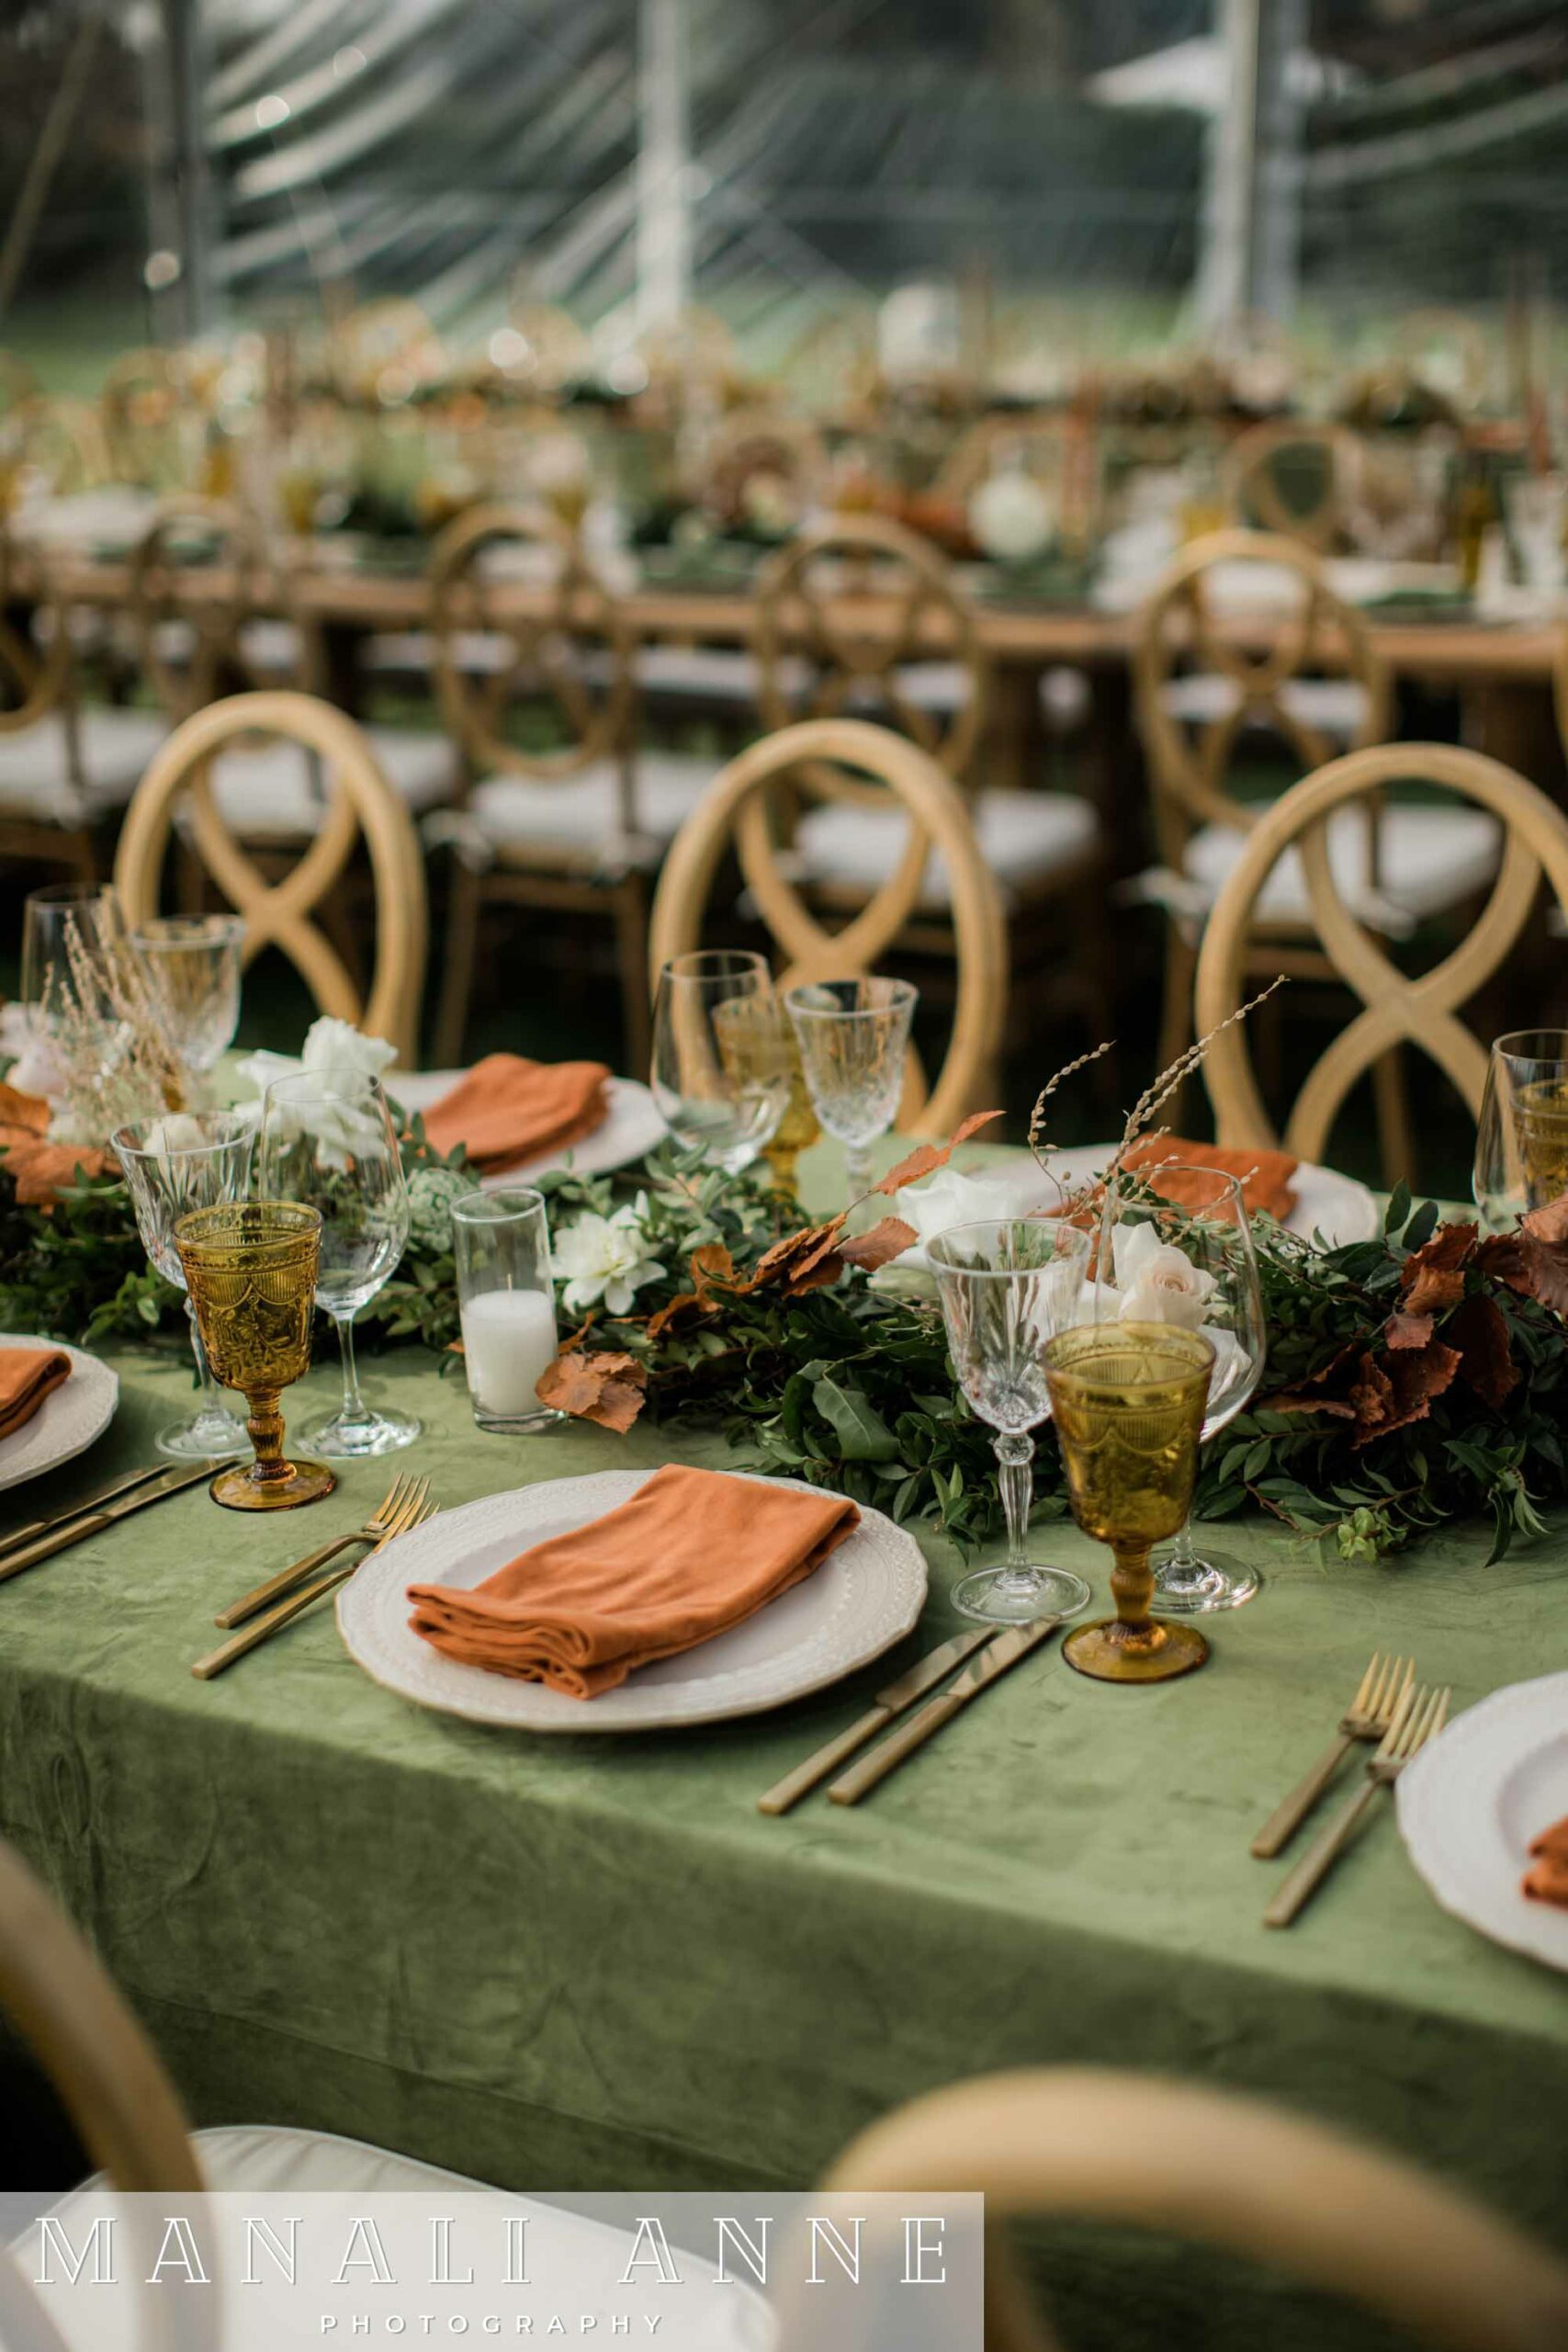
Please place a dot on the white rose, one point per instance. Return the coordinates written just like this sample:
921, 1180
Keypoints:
36, 1068
338, 1045
1158, 1283
605, 1258
948, 1199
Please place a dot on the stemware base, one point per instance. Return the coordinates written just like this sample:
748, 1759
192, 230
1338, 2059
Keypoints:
1213, 1581
205, 1437
237, 1488
1015, 1596
1106, 1651
337, 1438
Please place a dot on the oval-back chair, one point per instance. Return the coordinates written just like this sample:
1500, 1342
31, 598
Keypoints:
738, 808
359, 802
1395, 1009
1258, 470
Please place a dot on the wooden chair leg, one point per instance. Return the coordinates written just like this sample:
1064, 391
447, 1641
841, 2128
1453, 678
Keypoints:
631, 942
1393, 1119
464, 906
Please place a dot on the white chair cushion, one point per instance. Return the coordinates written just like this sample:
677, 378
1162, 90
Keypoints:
277, 789
1334, 707
481, 652
116, 747
1026, 838
580, 817
1429, 858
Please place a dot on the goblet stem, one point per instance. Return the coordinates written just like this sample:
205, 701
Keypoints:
857, 1163
354, 1407
1132, 1587
1015, 1476
266, 1427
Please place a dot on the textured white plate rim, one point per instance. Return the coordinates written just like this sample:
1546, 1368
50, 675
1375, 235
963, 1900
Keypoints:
1446, 1805
632, 1129
372, 1618
67, 1422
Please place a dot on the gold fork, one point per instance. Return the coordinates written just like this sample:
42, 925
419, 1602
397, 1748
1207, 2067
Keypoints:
404, 1491
1419, 1717
1371, 1712
413, 1515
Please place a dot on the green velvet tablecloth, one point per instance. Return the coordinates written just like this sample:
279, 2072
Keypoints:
590, 1961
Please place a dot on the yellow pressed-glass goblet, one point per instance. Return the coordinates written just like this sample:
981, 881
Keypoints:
251, 1269
1128, 1402
756, 1043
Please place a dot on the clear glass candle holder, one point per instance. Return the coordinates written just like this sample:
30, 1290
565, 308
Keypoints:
506, 1296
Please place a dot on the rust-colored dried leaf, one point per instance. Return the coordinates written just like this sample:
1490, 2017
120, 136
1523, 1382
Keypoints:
1479, 1331
1433, 1277
1548, 1226
1372, 1398
1296, 1401
712, 1267
1401, 1390
607, 1388
1543, 1236
927, 1158
39, 1170
1403, 1329
28, 1113
802, 1262
885, 1242
1506, 1258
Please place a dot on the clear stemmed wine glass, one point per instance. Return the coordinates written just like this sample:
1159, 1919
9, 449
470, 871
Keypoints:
1194, 1265
84, 916
1521, 1137
728, 1105
854, 1039
327, 1138
1008, 1285
192, 963
189, 1160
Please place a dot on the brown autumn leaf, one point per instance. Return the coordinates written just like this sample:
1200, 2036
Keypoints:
885, 1242
1433, 1277
1544, 1236
712, 1268
1549, 1224
40, 1169
1403, 1329
607, 1388
1479, 1331
927, 1158
1506, 1258
1390, 1396
1313, 1395
802, 1262
28, 1113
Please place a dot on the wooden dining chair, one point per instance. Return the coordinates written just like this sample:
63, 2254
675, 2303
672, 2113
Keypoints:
1214, 2168
565, 812
740, 811
1531, 833
284, 912
1291, 477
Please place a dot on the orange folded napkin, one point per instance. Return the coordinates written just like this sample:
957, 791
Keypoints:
27, 1376
1266, 1175
508, 1109
1548, 1882
693, 1552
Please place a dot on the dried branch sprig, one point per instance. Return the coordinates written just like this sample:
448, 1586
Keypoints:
109, 1083
1037, 1116
1166, 1085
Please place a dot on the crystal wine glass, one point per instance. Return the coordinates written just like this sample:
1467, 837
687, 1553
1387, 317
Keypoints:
327, 1138
1521, 1139
1191, 1263
1008, 1285
1128, 1403
189, 1160
854, 1039
68, 932
726, 1106
192, 963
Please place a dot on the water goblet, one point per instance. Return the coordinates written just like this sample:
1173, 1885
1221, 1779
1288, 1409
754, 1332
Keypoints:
1193, 1264
854, 1039
187, 1161
727, 1110
1008, 1285
756, 1040
1521, 1137
69, 933
1128, 1402
327, 1137
192, 968
251, 1270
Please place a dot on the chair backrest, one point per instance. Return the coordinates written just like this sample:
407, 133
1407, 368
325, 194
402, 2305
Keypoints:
278, 914
1292, 479
736, 808
35, 670
762, 444
1037, 446
1226, 2171
1304, 627
1396, 1009
846, 616
195, 579
521, 616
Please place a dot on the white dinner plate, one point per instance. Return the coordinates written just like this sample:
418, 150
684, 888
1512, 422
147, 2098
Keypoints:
66, 1422
1470, 1804
865, 1596
630, 1131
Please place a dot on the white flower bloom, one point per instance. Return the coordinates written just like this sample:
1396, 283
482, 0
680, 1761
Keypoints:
1010, 517
947, 1199
36, 1068
1158, 1283
605, 1257
338, 1045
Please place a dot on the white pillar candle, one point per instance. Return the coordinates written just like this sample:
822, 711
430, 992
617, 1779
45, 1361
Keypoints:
508, 1339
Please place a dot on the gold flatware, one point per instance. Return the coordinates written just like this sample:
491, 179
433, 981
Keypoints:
1002, 1651
262, 1629
403, 1491
75, 1530
921, 1677
30, 1534
1384, 1685
1419, 1717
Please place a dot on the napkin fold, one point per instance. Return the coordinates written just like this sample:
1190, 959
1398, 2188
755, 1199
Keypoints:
692, 1553
27, 1376
1265, 1175
509, 1108
1546, 1881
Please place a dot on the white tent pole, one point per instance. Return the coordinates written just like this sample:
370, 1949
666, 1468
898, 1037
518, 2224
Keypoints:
1224, 253
663, 175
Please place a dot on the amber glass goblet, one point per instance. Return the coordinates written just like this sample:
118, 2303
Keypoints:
251, 1270
756, 1043
1128, 1402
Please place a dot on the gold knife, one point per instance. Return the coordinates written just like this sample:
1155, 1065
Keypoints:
38, 1527
921, 1677
76, 1530
1002, 1651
